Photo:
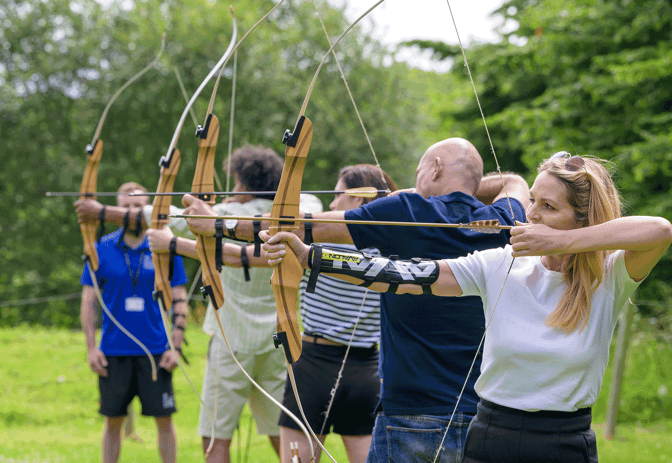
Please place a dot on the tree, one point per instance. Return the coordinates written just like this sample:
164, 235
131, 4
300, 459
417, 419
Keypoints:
591, 77
60, 61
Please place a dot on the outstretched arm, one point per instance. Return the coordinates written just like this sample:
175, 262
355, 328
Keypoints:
159, 242
645, 240
89, 209
378, 274
322, 232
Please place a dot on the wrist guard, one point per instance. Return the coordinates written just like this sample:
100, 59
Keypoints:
419, 272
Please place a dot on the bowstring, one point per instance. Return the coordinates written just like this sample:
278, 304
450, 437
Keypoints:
352, 99
99, 127
499, 170
231, 119
186, 96
268, 396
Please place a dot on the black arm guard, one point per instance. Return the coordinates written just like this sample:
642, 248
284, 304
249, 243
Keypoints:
420, 272
219, 234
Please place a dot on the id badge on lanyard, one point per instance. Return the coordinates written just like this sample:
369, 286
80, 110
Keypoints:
135, 304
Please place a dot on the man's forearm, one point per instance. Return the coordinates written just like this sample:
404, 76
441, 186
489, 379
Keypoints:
186, 247
493, 184
118, 215
322, 232
88, 317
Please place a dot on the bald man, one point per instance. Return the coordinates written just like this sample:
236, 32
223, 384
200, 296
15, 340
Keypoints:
427, 342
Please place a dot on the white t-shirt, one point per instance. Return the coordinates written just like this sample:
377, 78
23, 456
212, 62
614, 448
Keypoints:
528, 365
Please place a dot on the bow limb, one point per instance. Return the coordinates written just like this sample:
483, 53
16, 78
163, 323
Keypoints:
88, 191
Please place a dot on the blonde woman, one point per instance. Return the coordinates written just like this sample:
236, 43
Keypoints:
551, 300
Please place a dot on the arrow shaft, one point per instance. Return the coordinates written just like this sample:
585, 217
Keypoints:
350, 222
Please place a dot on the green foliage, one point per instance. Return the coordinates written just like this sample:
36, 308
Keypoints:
60, 62
591, 77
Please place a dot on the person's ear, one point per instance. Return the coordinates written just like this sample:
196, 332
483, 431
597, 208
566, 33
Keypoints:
437, 165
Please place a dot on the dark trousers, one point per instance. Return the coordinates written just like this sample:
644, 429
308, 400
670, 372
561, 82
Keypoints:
505, 435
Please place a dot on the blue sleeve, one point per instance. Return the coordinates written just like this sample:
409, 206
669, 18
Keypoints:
179, 274
85, 280
518, 210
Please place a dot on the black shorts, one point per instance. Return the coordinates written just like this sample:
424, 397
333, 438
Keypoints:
501, 434
352, 413
128, 376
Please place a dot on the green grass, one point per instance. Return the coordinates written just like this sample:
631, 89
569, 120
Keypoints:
49, 405
49, 399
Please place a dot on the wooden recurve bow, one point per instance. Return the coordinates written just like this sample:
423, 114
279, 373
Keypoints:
94, 153
160, 218
88, 191
286, 276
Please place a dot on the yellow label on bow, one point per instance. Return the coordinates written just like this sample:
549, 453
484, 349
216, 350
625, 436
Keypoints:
343, 257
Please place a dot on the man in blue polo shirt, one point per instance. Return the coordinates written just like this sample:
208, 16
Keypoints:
125, 277
427, 342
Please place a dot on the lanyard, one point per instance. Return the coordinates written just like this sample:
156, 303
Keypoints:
135, 276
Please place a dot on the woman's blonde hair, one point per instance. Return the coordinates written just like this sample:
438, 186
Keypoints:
593, 196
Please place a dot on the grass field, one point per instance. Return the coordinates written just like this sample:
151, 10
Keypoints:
49, 397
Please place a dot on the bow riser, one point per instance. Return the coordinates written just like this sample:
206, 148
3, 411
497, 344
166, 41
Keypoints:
88, 191
286, 276
204, 182
160, 218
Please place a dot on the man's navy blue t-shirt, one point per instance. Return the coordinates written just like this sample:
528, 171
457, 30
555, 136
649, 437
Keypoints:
428, 342
116, 281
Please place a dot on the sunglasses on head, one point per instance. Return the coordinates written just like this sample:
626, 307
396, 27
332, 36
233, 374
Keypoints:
572, 163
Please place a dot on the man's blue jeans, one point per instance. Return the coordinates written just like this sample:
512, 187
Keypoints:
416, 438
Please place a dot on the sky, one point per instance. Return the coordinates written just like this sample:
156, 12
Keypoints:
395, 21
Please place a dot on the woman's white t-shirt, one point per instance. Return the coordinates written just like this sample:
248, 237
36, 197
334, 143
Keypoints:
528, 365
